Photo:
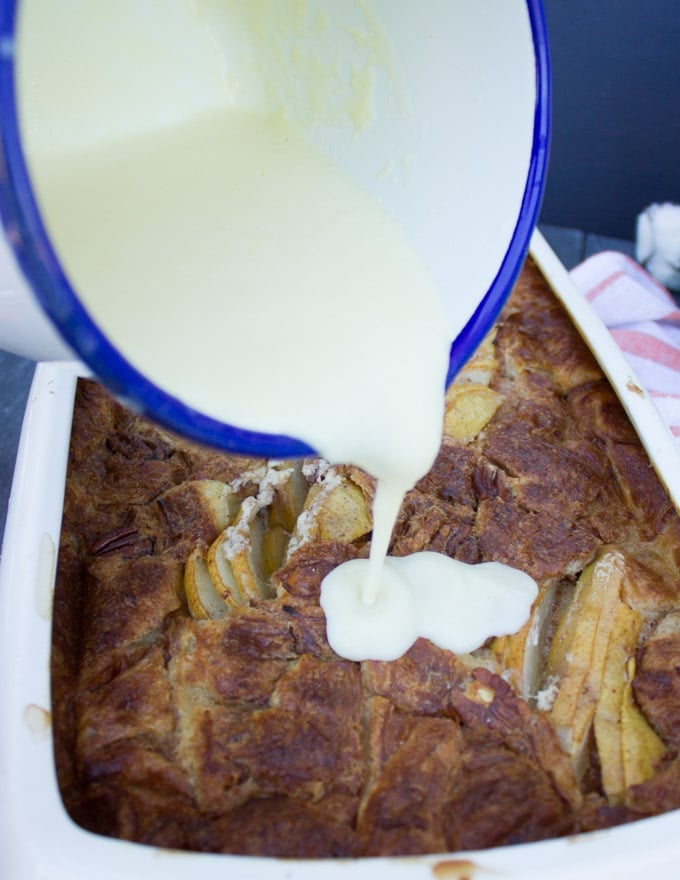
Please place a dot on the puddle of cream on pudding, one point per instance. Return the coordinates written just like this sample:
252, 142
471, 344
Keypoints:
243, 271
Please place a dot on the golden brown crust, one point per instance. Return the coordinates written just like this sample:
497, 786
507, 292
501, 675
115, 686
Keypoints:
247, 734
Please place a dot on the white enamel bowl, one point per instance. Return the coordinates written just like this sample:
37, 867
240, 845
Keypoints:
451, 138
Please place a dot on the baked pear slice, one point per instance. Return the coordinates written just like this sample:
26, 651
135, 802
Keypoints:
628, 748
283, 495
203, 600
483, 365
235, 557
206, 506
591, 665
242, 548
241, 560
289, 496
469, 408
642, 746
336, 509
221, 573
275, 541
577, 659
519, 655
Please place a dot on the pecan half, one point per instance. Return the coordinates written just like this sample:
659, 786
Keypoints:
130, 543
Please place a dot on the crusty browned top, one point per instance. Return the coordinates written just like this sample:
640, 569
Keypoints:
247, 734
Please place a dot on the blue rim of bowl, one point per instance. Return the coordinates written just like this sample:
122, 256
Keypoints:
487, 311
28, 237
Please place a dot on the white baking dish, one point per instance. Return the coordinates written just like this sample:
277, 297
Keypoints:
39, 840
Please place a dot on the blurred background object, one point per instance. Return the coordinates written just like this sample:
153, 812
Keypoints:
657, 243
616, 126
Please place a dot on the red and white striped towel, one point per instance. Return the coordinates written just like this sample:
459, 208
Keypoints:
643, 318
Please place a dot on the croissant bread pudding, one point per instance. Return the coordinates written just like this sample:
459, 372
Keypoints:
196, 701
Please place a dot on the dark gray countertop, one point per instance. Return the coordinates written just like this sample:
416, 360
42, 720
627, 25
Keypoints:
16, 374
571, 246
